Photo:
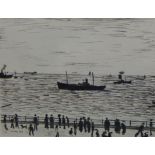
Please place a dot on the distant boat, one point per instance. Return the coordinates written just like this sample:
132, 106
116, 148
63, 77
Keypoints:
3, 73
141, 78
81, 86
121, 81
32, 73
5, 76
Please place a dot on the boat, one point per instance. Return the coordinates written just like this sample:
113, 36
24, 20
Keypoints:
3, 74
121, 81
31, 73
80, 86
141, 78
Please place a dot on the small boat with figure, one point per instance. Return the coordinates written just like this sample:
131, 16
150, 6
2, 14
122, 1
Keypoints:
121, 81
4, 74
80, 86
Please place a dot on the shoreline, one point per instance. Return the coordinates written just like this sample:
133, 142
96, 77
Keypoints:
63, 129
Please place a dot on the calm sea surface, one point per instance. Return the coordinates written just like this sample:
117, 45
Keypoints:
53, 46
39, 94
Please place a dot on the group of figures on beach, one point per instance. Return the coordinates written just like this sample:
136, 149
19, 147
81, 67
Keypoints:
82, 125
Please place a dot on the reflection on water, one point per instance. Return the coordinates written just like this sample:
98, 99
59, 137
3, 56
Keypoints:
39, 94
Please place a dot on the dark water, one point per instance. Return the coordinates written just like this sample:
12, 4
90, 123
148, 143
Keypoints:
39, 94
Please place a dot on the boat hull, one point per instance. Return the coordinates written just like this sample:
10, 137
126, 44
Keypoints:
79, 87
122, 82
3, 76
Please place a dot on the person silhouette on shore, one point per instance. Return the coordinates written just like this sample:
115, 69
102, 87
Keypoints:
104, 134
110, 134
35, 121
107, 125
64, 122
151, 126
123, 126
59, 119
88, 124
92, 128
57, 134
84, 124
12, 123
5, 126
16, 121
71, 131
117, 126
75, 128
67, 119
97, 133
31, 130
4, 121
51, 121
80, 125
56, 128
46, 121
140, 130
4, 118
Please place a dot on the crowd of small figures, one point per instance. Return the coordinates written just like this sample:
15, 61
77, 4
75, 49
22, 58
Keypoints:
82, 125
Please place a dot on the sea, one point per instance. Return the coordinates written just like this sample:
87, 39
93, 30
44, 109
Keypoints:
105, 47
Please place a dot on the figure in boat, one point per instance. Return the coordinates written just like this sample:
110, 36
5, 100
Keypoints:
3, 70
85, 82
120, 77
121, 80
3, 73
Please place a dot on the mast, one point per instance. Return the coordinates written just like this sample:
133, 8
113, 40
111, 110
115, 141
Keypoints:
66, 78
93, 77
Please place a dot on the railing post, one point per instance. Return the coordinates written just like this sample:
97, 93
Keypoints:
102, 122
25, 120
130, 122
